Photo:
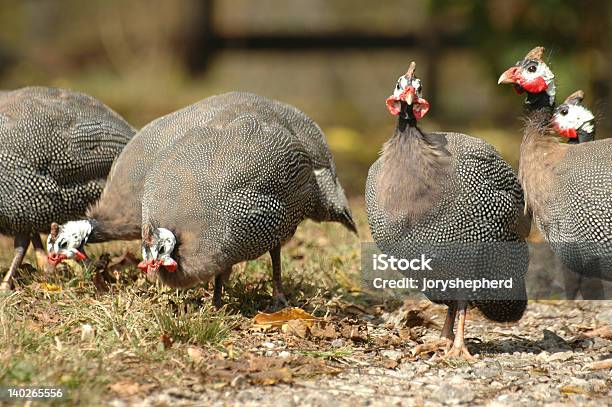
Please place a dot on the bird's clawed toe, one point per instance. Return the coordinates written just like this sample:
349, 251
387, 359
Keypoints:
279, 301
442, 344
460, 351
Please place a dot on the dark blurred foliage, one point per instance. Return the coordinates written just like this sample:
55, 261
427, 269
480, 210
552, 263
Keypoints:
336, 60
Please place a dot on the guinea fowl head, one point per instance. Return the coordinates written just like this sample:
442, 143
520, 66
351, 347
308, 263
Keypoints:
157, 248
406, 100
574, 121
531, 75
67, 241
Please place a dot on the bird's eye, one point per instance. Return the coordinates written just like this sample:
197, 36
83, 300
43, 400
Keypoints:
531, 68
63, 244
564, 112
397, 86
419, 89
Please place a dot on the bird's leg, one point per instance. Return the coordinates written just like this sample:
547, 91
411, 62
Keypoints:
277, 286
21, 246
446, 336
39, 250
571, 281
459, 349
447, 330
220, 279
592, 288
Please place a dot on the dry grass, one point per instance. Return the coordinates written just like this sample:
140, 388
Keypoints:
63, 330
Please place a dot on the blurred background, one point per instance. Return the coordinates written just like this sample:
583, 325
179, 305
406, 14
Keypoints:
335, 60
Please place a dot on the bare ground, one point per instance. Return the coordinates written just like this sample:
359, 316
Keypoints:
113, 337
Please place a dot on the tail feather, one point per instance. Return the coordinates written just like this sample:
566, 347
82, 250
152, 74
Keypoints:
333, 205
503, 310
346, 218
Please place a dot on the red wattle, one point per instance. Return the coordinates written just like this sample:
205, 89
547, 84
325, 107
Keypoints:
536, 85
55, 258
393, 105
171, 266
569, 133
80, 255
420, 108
143, 266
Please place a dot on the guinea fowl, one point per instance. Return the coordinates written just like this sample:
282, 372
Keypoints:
574, 121
432, 189
577, 124
118, 213
567, 186
56, 149
224, 193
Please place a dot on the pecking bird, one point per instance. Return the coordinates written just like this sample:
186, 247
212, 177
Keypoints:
56, 149
118, 214
448, 191
568, 187
224, 193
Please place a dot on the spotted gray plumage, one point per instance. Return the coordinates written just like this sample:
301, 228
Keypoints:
118, 213
56, 149
481, 201
568, 187
230, 191
577, 219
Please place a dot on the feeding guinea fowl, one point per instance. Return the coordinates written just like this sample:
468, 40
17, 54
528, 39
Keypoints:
567, 186
117, 215
228, 192
57, 147
428, 190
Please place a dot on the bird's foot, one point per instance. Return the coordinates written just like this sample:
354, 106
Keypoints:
442, 344
279, 301
460, 351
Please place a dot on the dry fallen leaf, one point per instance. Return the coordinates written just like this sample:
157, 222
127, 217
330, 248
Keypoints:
195, 354
328, 332
270, 377
353, 333
281, 317
125, 387
297, 327
390, 363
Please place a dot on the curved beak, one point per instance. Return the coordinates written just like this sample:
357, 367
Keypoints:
150, 266
393, 101
509, 76
56, 258
408, 95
